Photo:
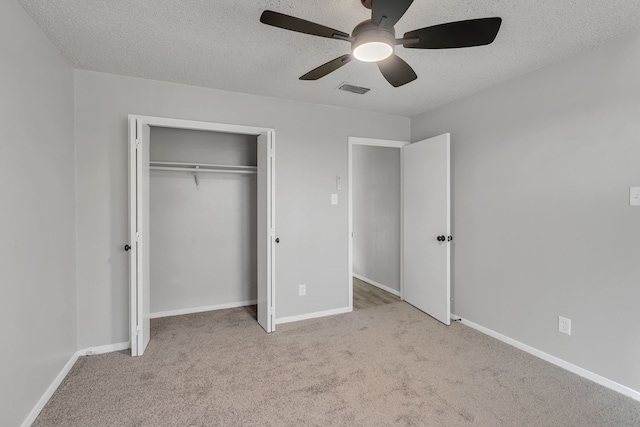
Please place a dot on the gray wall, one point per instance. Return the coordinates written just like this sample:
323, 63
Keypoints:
195, 146
202, 238
542, 167
311, 149
376, 214
37, 237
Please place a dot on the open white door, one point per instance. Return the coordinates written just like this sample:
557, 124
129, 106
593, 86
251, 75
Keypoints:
265, 230
426, 227
139, 139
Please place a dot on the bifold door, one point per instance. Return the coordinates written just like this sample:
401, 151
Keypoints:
265, 231
139, 235
426, 226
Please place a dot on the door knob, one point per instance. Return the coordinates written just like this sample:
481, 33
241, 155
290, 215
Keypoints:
450, 238
277, 240
441, 238
127, 247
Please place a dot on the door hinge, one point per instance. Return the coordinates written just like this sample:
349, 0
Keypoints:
137, 143
272, 232
138, 236
271, 311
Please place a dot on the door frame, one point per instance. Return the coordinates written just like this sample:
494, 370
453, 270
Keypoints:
353, 140
165, 122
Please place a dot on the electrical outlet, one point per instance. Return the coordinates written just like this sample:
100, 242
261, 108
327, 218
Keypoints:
564, 325
302, 290
90, 351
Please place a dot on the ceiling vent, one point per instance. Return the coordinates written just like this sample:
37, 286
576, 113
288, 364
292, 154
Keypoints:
353, 89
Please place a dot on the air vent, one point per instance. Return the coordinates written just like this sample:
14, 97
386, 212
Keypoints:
354, 89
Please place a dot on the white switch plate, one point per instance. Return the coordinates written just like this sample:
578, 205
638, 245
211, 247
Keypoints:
334, 199
634, 196
302, 290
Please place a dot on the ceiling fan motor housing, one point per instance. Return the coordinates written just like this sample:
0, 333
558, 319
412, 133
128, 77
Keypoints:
366, 32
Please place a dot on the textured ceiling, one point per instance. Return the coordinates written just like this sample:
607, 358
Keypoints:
221, 44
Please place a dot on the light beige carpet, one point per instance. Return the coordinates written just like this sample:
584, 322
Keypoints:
386, 365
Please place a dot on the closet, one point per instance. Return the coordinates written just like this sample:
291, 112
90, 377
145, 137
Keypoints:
202, 219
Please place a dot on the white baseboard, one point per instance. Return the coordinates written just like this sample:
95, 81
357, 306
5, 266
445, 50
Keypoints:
312, 315
50, 390
553, 359
377, 285
64, 372
201, 309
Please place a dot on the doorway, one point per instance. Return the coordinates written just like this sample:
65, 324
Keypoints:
203, 219
141, 164
375, 221
424, 212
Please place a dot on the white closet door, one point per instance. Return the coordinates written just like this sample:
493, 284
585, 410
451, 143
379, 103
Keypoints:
426, 227
265, 230
139, 236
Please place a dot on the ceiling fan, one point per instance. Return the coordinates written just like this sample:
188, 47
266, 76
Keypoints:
374, 40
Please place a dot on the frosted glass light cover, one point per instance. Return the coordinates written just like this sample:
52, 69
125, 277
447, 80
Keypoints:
373, 51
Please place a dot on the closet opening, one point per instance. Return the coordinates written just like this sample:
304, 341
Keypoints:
202, 219
202, 215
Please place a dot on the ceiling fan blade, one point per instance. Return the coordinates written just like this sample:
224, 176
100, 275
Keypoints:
327, 68
392, 9
396, 71
474, 32
292, 23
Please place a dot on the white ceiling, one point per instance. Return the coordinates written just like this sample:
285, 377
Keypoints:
221, 44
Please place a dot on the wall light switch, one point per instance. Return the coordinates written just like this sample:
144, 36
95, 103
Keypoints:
634, 196
334, 199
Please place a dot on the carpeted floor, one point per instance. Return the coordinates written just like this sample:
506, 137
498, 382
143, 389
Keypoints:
385, 365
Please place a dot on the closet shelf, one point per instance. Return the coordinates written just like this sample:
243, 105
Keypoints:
202, 167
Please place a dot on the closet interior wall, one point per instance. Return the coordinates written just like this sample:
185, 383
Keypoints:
203, 242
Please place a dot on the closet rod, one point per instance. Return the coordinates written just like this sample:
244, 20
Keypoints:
204, 165
179, 169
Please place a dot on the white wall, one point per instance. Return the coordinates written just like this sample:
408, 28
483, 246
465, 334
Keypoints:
542, 167
376, 214
203, 237
37, 237
311, 149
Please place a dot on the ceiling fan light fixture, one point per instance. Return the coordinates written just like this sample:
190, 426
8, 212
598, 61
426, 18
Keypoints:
371, 43
373, 51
